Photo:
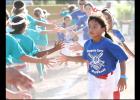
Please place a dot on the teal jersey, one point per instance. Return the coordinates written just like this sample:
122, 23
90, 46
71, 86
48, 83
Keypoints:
33, 34
41, 27
32, 22
39, 39
27, 45
13, 49
43, 38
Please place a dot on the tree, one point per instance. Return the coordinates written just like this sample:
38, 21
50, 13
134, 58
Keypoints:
124, 11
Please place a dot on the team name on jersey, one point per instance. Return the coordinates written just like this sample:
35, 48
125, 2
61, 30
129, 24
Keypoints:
95, 50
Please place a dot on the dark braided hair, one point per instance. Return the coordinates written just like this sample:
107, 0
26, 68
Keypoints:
107, 35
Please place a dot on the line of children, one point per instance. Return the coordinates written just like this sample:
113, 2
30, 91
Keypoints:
26, 42
82, 25
102, 56
19, 8
116, 33
98, 57
20, 50
40, 39
77, 14
15, 51
119, 38
15, 54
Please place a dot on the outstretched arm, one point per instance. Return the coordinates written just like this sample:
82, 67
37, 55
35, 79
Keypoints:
122, 44
30, 59
76, 47
127, 50
58, 45
64, 58
76, 59
49, 25
55, 30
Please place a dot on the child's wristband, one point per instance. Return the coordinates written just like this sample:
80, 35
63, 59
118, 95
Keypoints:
123, 76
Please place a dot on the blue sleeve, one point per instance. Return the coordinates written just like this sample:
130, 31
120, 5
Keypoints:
84, 54
79, 23
74, 16
33, 34
116, 51
119, 35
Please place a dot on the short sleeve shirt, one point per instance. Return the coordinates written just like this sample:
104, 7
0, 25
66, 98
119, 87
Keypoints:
27, 45
13, 49
119, 35
102, 56
83, 23
76, 15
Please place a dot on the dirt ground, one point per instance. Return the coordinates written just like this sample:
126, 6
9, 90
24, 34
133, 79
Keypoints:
70, 82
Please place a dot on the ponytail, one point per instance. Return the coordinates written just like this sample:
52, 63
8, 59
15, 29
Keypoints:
107, 35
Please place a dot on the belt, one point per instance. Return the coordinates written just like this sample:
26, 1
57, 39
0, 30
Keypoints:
105, 75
